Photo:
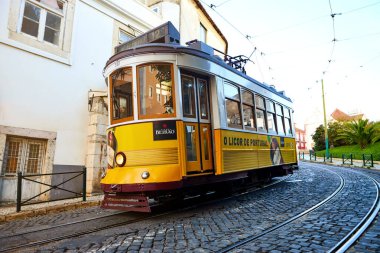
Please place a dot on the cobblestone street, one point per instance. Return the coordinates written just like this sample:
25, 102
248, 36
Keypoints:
212, 227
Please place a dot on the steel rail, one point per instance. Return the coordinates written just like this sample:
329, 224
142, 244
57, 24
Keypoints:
278, 226
362, 226
59, 225
76, 234
58, 238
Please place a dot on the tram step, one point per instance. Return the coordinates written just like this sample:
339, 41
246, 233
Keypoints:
135, 203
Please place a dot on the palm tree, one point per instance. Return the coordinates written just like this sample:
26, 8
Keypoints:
377, 132
361, 132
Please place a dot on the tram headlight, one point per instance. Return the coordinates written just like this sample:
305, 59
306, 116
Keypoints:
145, 175
120, 159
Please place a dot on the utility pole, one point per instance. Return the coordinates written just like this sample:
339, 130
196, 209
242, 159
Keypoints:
324, 115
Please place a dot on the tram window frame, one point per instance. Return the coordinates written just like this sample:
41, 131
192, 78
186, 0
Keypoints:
203, 98
280, 119
270, 113
191, 100
233, 99
116, 98
249, 105
260, 108
170, 114
288, 122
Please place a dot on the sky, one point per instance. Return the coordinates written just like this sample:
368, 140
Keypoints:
298, 44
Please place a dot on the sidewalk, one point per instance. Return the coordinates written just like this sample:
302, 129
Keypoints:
8, 213
339, 162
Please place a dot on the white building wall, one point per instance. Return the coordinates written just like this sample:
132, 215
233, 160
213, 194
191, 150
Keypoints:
49, 93
171, 12
189, 21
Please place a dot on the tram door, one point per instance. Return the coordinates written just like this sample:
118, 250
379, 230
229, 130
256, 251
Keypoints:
197, 124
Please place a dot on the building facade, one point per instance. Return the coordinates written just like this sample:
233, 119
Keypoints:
53, 97
301, 140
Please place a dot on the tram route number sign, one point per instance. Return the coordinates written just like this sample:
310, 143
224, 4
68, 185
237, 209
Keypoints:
164, 130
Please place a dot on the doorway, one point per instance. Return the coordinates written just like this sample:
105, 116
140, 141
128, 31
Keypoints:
197, 124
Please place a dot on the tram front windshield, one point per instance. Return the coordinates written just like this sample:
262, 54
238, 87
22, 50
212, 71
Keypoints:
155, 92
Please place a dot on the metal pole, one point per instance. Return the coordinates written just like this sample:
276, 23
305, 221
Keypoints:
364, 160
324, 115
84, 183
351, 159
371, 160
19, 189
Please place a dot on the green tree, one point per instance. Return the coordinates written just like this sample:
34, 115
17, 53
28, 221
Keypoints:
376, 137
361, 132
319, 138
333, 130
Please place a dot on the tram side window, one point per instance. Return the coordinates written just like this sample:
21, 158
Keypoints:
203, 99
288, 129
248, 110
122, 98
271, 117
158, 76
280, 119
260, 114
188, 96
232, 99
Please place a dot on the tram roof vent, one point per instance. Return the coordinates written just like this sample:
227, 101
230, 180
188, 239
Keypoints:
201, 46
165, 33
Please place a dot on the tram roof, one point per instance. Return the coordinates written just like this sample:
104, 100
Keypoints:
178, 49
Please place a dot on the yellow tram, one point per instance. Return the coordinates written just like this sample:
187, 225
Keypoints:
183, 120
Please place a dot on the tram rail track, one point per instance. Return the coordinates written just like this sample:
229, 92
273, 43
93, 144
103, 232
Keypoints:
344, 244
288, 221
362, 226
9, 235
144, 217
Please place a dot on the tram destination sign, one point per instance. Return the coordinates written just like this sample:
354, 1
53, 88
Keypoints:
165, 33
164, 130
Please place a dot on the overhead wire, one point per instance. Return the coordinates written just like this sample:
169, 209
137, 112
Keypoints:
332, 15
361, 36
247, 37
226, 1
360, 8
334, 40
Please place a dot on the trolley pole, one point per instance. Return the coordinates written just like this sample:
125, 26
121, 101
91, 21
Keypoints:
324, 115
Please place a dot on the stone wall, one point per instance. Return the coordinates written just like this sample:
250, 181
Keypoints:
96, 140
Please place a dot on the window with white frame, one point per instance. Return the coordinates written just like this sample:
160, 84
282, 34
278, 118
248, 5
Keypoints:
23, 154
124, 36
43, 27
122, 33
43, 19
